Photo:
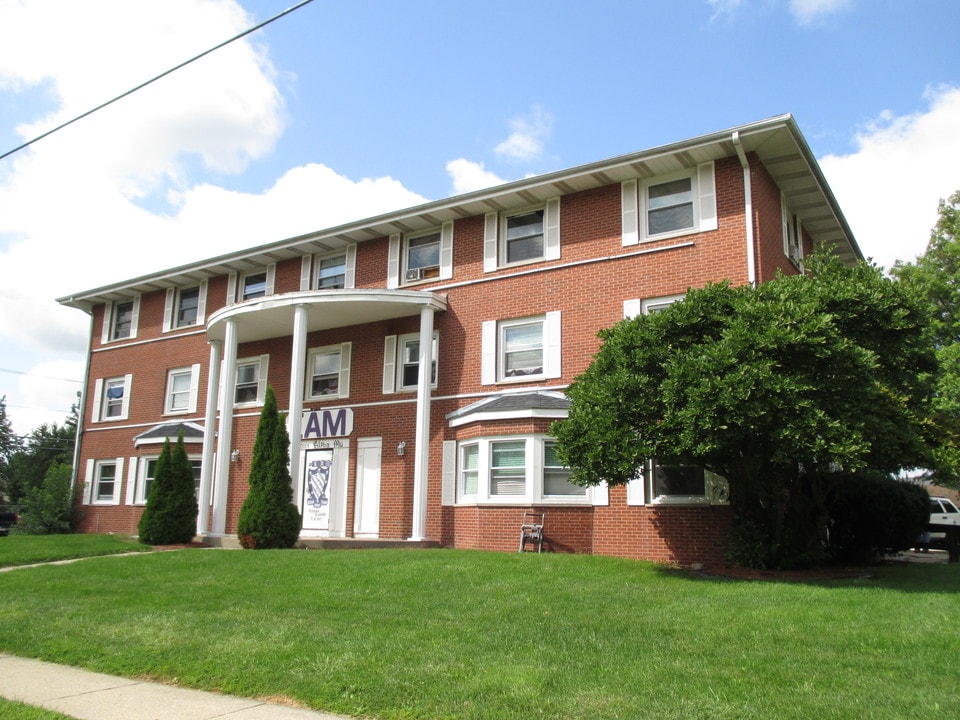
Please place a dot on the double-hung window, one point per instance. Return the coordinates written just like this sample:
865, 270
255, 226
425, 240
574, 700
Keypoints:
522, 236
252, 284
328, 372
148, 471
185, 307
514, 469
792, 234
521, 349
332, 272
107, 481
182, 384
401, 362
251, 381
421, 256
669, 206
111, 398
120, 320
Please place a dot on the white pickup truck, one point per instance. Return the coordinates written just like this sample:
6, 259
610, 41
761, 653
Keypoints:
943, 512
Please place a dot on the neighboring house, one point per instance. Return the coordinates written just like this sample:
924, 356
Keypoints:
421, 355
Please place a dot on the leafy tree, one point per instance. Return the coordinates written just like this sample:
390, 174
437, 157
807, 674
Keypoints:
936, 276
46, 446
268, 517
48, 509
170, 516
9, 445
772, 387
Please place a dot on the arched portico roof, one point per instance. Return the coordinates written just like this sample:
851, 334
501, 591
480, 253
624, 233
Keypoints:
272, 316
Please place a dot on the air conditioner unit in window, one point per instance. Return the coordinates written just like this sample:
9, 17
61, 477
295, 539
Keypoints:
414, 274
795, 254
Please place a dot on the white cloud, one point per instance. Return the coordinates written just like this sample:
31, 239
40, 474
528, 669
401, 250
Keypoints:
527, 136
468, 176
47, 393
807, 12
890, 187
77, 209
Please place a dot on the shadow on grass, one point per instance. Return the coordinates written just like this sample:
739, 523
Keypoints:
906, 574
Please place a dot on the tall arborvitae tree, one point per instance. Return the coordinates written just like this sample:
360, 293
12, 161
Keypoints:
268, 518
170, 517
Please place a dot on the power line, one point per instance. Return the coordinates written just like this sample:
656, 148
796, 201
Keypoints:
154, 79
45, 377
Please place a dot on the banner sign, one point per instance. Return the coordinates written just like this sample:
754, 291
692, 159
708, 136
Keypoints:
316, 489
319, 424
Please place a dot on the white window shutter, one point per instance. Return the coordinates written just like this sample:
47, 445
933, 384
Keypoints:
490, 224
168, 309
446, 250
600, 495
346, 350
306, 264
448, 483
708, 197
97, 401
194, 386
262, 379
127, 392
202, 303
389, 364
488, 353
132, 482
231, 288
393, 262
108, 318
117, 482
631, 308
636, 490
551, 345
271, 277
551, 239
89, 481
350, 269
629, 214
135, 317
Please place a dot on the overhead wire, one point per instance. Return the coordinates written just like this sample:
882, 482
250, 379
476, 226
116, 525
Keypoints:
154, 79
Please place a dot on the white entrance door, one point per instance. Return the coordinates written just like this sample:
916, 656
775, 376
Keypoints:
323, 488
366, 521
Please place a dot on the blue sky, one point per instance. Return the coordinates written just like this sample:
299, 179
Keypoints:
340, 111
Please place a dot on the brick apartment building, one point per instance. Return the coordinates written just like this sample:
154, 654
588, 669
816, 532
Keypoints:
421, 355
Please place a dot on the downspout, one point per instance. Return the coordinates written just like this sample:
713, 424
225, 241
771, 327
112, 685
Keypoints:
747, 209
81, 411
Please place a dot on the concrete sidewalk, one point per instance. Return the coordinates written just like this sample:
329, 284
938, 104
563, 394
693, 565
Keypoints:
88, 695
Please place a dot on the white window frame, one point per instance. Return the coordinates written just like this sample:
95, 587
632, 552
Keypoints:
423, 272
648, 306
236, 282
640, 491
143, 477
101, 399
96, 467
262, 362
792, 234
193, 373
493, 349
635, 205
343, 352
495, 234
393, 362
533, 473
398, 251
110, 316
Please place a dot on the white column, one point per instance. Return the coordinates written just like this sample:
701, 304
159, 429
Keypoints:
225, 434
209, 437
298, 365
421, 458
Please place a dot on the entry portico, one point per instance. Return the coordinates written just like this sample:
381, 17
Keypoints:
296, 315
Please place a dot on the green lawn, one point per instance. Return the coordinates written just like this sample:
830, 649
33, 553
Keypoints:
458, 634
10, 710
28, 549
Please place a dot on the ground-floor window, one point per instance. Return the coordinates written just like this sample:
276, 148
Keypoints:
514, 469
148, 470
